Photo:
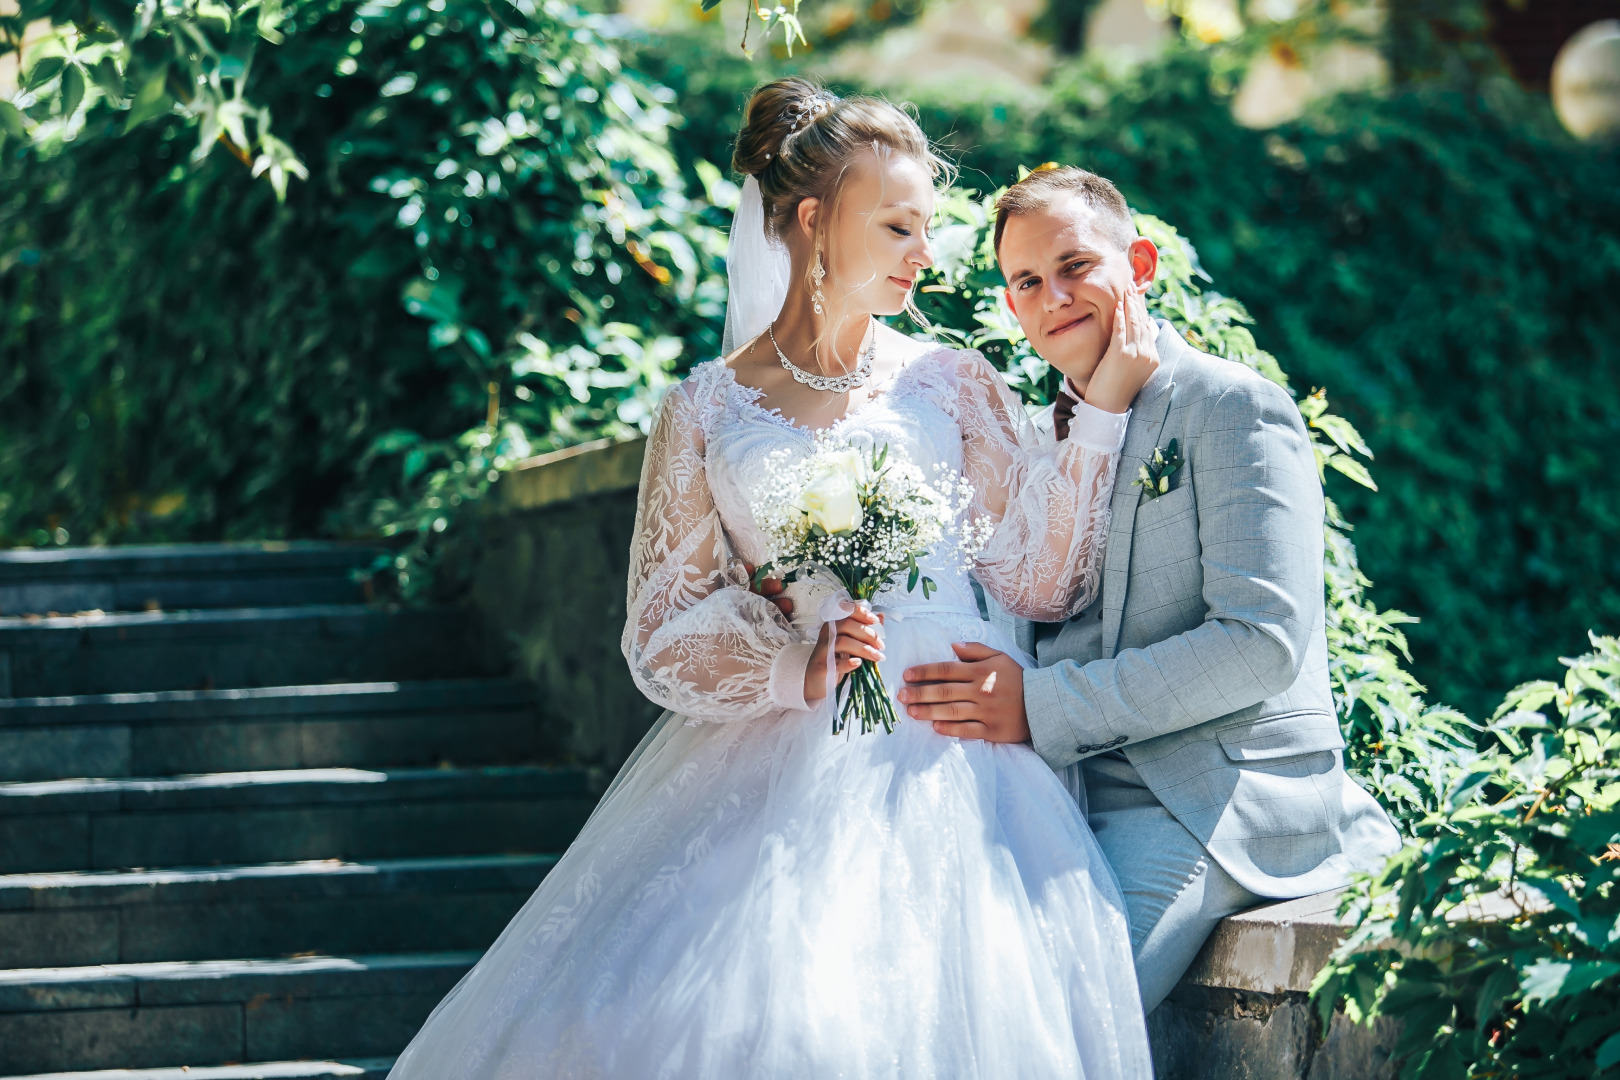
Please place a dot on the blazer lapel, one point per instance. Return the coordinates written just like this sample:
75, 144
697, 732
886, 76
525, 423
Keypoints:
1148, 413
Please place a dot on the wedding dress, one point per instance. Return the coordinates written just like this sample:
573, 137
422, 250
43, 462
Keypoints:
757, 897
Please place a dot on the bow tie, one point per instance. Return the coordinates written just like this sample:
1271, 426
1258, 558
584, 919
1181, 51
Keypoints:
1063, 413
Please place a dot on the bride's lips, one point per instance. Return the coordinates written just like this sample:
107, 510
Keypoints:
1064, 328
904, 283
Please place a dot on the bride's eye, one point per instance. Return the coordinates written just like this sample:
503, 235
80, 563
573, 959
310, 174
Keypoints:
900, 230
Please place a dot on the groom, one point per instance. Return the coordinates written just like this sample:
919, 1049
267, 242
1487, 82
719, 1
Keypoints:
1192, 695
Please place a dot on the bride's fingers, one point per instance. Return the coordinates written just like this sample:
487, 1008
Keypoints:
849, 645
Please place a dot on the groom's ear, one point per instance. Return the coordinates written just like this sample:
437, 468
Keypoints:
1008, 296
1144, 262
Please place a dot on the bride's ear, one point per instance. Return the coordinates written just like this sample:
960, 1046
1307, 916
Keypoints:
809, 216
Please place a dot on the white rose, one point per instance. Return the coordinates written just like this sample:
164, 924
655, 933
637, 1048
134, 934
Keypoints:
832, 499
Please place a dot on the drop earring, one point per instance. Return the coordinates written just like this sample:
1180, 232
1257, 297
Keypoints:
818, 273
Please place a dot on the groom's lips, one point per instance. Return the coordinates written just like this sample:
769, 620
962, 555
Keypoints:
1066, 327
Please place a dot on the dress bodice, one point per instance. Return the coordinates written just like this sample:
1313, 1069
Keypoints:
910, 413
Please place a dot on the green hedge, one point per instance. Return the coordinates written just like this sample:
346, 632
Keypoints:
493, 220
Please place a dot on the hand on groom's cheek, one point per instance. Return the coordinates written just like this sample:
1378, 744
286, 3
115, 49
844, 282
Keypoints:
979, 696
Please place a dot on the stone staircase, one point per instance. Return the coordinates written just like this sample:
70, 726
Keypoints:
249, 826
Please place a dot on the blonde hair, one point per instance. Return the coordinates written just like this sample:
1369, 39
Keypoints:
799, 139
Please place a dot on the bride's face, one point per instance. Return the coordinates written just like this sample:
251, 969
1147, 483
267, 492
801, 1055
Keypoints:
878, 238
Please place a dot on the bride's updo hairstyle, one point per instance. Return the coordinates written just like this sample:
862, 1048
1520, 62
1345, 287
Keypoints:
798, 141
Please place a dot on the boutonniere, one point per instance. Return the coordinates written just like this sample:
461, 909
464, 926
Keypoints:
1154, 476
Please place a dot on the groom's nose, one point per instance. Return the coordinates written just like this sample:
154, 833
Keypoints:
1057, 294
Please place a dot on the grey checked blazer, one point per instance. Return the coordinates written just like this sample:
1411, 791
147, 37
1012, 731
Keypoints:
1204, 659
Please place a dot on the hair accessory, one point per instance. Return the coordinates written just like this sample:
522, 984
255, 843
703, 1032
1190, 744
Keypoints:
809, 110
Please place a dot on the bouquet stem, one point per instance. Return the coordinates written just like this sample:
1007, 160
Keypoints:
865, 697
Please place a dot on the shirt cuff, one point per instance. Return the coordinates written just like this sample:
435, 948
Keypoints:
1097, 429
787, 675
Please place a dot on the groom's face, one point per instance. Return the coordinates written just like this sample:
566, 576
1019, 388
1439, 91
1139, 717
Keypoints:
1065, 277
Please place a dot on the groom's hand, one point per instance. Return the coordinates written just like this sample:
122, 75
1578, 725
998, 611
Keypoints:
771, 589
981, 696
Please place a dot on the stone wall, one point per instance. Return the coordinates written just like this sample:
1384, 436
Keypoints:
548, 570
547, 575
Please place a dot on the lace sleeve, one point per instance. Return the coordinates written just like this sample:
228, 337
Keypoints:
1049, 500
698, 642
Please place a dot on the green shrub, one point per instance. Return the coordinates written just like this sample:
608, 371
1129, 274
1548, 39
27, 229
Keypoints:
494, 252
1528, 835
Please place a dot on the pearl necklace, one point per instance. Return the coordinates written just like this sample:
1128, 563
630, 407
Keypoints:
832, 384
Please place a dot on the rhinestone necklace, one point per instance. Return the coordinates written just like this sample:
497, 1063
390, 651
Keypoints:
832, 384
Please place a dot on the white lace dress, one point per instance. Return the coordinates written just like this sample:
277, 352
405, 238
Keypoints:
755, 897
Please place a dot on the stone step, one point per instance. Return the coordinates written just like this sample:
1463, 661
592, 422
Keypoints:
232, 647
165, 733
216, 1012
329, 906
289, 815
361, 1069
178, 576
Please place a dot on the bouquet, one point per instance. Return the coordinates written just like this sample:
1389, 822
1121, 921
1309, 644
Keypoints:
865, 517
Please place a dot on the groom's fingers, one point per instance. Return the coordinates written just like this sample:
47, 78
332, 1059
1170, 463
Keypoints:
944, 671
953, 711
934, 693
973, 651
966, 729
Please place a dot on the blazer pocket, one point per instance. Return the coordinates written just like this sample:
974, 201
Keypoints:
1173, 503
1284, 735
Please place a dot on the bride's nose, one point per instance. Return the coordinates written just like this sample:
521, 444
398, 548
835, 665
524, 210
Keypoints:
922, 256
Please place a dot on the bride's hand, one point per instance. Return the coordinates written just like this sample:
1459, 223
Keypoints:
1131, 359
851, 640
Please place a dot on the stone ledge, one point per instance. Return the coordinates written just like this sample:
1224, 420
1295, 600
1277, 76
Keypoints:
1278, 948
593, 468
1271, 949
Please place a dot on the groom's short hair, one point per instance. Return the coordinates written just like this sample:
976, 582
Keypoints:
1045, 185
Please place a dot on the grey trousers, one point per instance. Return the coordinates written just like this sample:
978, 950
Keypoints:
1175, 892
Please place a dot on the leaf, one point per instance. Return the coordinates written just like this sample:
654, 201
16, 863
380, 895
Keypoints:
1546, 980
1609, 1053
1343, 433
152, 101
72, 89
710, 5
1354, 469
108, 78
11, 121
43, 71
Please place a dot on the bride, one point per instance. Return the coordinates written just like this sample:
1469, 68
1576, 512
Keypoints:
755, 897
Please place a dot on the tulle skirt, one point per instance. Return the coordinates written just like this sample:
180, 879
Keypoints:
766, 899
